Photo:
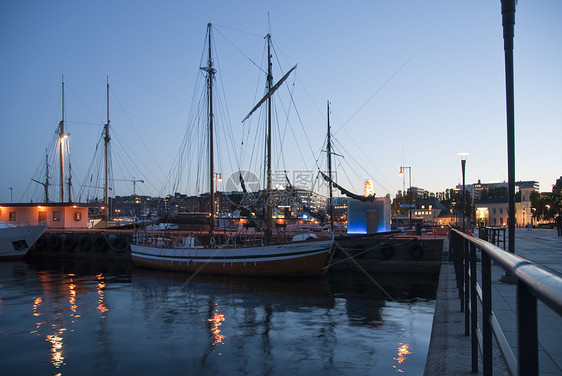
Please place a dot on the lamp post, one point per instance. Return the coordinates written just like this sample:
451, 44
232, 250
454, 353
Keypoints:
410, 191
463, 165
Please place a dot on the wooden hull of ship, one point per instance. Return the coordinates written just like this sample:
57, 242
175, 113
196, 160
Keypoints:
308, 258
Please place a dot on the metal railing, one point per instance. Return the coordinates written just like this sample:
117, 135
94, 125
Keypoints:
532, 283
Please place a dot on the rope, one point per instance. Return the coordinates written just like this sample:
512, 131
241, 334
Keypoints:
365, 272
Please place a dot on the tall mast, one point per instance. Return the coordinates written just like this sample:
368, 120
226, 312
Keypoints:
61, 147
106, 159
329, 150
46, 177
270, 90
269, 205
210, 75
69, 176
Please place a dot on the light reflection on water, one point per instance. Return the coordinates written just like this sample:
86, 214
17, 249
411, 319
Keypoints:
95, 320
216, 321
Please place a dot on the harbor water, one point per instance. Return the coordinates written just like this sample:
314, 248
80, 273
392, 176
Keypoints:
72, 317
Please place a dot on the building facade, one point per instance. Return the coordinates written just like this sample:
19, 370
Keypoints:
56, 215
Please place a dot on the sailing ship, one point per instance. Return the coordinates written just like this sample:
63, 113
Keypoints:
269, 256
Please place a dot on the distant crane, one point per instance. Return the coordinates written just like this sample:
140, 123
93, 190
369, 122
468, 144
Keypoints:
132, 180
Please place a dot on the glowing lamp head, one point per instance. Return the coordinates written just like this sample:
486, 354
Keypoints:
463, 156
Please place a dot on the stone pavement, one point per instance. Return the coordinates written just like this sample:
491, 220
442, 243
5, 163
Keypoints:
449, 350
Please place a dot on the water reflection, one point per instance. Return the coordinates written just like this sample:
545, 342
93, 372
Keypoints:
145, 321
56, 341
403, 350
101, 295
216, 321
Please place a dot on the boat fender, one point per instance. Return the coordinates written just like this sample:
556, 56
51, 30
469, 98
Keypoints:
416, 251
55, 242
118, 244
100, 244
387, 252
41, 242
85, 243
149, 240
69, 243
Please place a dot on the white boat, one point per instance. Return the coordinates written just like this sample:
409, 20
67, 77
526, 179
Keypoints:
15, 241
268, 257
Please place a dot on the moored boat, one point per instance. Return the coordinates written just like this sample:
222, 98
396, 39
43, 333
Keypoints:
15, 241
270, 256
298, 258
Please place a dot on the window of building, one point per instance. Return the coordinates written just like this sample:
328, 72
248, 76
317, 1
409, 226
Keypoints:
12, 216
42, 216
56, 216
501, 210
494, 210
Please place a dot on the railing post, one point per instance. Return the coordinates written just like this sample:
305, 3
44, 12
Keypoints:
486, 315
466, 260
528, 348
473, 309
483, 233
460, 272
451, 234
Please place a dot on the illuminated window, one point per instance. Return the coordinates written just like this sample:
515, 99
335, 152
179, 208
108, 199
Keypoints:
12, 216
56, 216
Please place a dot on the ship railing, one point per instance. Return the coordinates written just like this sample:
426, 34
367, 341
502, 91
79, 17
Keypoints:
29, 223
532, 282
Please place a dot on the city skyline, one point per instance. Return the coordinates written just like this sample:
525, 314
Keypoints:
409, 85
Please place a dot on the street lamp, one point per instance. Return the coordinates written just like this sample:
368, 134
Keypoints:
463, 165
410, 192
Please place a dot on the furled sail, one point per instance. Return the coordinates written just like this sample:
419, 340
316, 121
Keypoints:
269, 93
345, 191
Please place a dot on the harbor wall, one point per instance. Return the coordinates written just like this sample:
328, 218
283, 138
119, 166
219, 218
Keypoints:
403, 253
84, 244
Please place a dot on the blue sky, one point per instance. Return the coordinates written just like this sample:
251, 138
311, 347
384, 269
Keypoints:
410, 83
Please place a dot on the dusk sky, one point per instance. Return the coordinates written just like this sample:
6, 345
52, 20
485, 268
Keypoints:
410, 83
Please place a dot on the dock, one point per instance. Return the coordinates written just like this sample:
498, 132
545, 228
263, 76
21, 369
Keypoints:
450, 350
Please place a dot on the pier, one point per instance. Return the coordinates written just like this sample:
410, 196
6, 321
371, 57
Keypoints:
450, 346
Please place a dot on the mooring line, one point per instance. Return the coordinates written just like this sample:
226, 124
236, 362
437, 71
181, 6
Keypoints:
365, 272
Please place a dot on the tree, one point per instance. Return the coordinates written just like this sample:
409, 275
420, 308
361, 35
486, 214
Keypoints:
493, 192
547, 206
556, 203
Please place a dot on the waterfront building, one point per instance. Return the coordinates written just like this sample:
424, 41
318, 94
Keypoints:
429, 210
56, 215
494, 210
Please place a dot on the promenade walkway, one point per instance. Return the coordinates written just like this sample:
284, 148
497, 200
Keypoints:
449, 351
